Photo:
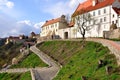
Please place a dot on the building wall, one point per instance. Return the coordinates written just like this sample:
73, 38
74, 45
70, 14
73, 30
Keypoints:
113, 34
49, 29
104, 16
72, 32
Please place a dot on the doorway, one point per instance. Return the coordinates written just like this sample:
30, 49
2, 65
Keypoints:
66, 35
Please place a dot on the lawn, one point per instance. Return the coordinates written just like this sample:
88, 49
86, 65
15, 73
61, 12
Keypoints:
15, 76
31, 61
82, 61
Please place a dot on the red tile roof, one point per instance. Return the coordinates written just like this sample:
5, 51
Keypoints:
71, 24
84, 5
90, 7
117, 10
51, 21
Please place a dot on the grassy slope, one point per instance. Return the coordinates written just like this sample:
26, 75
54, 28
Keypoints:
31, 60
7, 52
15, 76
78, 61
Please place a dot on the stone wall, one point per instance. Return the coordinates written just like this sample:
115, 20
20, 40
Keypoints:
113, 47
113, 34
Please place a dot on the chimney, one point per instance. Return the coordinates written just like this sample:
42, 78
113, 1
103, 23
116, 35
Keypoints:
94, 2
46, 20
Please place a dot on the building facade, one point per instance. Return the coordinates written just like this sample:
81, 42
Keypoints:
105, 12
51, 28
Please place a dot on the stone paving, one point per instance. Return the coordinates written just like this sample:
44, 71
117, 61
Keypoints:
45, 73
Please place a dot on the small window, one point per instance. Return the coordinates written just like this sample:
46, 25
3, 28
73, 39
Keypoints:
99, 12
104, 19
112, 22
89, 22
56, 24
104, 10
113, 15
101, 20
116, 21
93, 13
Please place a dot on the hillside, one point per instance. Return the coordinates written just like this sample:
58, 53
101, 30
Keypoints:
7, 52
15, 76
79, 61
31, 61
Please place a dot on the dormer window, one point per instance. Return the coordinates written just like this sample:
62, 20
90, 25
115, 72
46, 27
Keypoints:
94, 2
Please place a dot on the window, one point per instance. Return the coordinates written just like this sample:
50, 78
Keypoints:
56, 24
99, 12
89, 22
104, 11
112, 22
116, 21
113, 15
104, 19
104, 27
93, 13
101, 20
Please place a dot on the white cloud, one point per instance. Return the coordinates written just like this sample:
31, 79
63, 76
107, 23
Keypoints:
6, 3
27, 22
61, 7
10, 4
38, 25
12, 27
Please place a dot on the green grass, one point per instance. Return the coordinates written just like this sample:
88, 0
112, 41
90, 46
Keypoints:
31, 61
8, 52
15, 76
80, 61
114, 39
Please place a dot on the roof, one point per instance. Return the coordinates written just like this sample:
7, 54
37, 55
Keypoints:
51, 21
71, 24
90, 7
12, 37
117, 10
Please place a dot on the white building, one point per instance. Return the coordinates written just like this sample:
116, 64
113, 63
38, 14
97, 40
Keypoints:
52, 27
105, 12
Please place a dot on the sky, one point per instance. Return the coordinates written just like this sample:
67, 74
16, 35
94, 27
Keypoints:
24, 16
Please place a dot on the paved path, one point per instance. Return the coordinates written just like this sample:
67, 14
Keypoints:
118, 42
46, 73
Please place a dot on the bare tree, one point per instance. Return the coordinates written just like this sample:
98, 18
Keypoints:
98, 28
83, 20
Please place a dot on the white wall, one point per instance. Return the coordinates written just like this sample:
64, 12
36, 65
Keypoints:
104, 20
46, 29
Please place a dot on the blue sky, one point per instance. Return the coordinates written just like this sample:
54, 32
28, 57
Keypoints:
24, 16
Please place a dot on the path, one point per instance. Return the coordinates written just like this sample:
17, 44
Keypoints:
47, 73
118, 42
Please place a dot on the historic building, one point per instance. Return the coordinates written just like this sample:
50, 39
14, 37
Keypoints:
105, 12
51, 27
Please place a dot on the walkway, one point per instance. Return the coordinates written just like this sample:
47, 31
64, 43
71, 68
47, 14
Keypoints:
45, 73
